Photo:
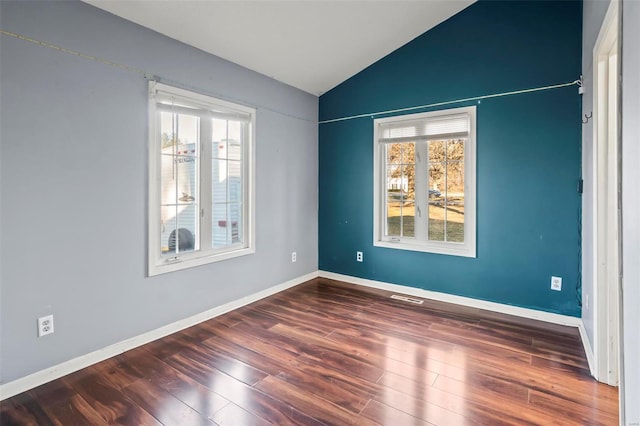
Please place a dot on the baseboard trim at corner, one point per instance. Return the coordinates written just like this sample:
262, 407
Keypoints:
41, 377
458, 300
588, 350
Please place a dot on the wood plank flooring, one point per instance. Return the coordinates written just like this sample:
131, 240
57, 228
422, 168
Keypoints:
330, 353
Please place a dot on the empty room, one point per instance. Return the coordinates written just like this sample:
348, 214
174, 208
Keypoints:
319, 212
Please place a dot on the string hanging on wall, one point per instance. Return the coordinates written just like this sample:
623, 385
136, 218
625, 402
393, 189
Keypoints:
147, 75
474, 98
151, 76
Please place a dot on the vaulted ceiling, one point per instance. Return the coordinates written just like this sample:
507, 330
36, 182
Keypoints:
312, 45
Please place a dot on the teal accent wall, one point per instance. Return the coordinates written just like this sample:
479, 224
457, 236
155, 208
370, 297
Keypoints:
528, 154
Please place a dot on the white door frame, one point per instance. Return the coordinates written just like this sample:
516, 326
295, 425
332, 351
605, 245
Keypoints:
606, 207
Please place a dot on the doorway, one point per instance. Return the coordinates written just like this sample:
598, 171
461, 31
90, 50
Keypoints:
607, 212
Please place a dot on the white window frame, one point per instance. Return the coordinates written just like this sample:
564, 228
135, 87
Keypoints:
160, 264
466, 248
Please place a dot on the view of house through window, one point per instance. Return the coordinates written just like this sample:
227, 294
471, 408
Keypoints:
200, 163
423, 193
180, 140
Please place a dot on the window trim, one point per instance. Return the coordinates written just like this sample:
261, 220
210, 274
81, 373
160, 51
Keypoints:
158, 264
466, 249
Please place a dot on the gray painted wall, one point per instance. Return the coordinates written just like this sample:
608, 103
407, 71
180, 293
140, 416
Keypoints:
631, 207
73, 184
592, 17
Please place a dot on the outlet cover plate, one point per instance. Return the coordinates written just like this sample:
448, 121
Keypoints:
45, 325
556, 283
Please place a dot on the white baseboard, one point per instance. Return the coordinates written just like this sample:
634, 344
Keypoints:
41, 377
31, 381
480, 304
459, 300
588, 350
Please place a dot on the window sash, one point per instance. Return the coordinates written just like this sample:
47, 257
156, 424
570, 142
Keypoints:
421, 202
204, 174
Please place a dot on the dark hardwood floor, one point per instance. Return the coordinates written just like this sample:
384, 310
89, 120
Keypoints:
326, 352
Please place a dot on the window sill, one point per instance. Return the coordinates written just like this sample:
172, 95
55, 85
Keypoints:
189, 261
450, 249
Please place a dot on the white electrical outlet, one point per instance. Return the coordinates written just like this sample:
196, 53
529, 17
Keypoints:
294, 256
556, 283
45, 325
359, 256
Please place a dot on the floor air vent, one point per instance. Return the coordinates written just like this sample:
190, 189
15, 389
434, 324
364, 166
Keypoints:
407, 299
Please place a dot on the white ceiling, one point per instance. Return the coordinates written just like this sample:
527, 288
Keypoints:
309, 44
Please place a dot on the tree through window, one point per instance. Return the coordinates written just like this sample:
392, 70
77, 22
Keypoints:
425, 189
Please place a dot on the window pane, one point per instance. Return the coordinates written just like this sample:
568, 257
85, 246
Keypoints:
408, 219
455, 150
219, 225
394, 182
234, 131
188, 129
219, 181
394, 153
227, 139
436, 220
235, 214
401, 153
455, 179
394, 219
168, 179
401, 171
409, 181
408, 153
178, 179
235, 181
455, 222
455, 201
437, 190
219, 137
167, 130
226, 181
436, 181
178, 158
178, 183
186, 170
227, 224
168, 223
179, 229
234, 149
185, 237
219, 149
437, 151
400, 219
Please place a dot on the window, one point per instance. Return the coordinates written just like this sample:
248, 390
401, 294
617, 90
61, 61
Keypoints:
200, 179
424, 183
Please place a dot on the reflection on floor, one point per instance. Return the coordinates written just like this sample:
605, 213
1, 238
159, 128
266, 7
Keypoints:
327, 352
